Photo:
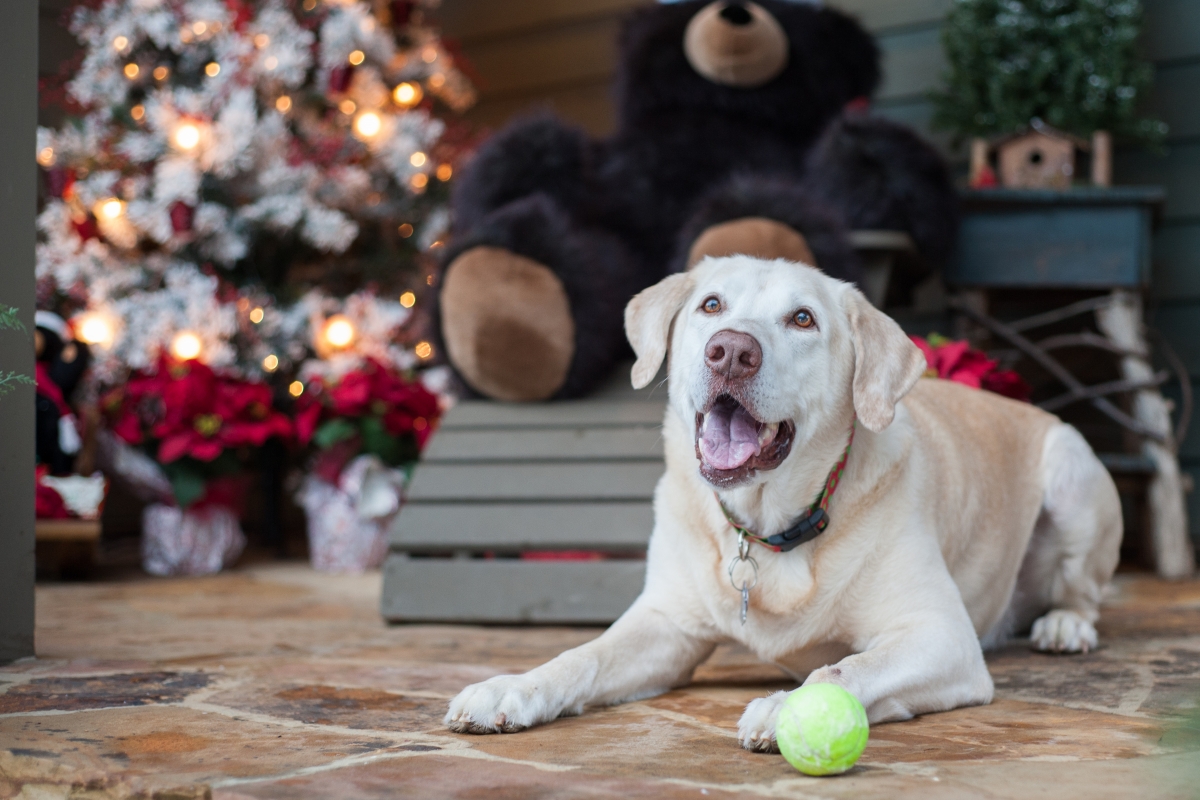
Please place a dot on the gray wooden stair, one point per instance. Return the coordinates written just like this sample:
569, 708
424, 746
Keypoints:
499, 480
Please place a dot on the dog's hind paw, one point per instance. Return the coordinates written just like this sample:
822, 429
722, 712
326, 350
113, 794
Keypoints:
504, 704
1062, 631
756, 729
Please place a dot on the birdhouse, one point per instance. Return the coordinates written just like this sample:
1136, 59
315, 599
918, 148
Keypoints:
1041, 157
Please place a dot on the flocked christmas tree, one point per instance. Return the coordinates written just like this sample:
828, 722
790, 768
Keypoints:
236, 170
1072, 63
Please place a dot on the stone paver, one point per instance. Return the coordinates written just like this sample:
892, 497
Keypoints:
277, 682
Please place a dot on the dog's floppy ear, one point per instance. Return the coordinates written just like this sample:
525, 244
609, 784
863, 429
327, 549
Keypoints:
886, 362
648, 320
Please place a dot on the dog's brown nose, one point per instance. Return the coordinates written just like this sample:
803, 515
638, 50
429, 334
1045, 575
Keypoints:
733, 354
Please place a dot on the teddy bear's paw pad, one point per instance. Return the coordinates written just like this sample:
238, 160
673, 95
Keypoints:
507, 324
1063, 631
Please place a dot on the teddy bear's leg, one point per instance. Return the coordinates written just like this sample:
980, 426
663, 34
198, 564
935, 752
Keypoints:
767, 218
531, 303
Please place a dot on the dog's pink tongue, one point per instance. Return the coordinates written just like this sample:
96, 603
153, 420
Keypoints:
729, 438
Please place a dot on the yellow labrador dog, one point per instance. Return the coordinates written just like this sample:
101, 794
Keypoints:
954, 518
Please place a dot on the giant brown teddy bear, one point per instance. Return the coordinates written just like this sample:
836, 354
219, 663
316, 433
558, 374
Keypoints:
742, 127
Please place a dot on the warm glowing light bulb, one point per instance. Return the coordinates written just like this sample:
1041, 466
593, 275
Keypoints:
138, 112
347, 107
417, 159
271, 363
186, 346
407, 94
296, 388
45, 157
161, 73
187, 136
339, 331
261, 40
406, 230
271, 63
120, 43
283, 104
212, 69
110, 208
132, 70
368, 124
444, 171
199, 28
94, 329
419, 180
357, 57
256, 315
423, 350
408, 299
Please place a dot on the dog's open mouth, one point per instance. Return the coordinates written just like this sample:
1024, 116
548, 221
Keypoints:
732, 445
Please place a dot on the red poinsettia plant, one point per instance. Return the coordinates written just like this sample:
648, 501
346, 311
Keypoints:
192, 420
373, 409
957, 361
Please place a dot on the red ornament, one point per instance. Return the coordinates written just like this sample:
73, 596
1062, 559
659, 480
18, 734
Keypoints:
182, 216
87, 229
340, 77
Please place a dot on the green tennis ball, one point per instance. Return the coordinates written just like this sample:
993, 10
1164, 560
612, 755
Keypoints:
822, 729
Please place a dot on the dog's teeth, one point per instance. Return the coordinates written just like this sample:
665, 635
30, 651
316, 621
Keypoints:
767, 432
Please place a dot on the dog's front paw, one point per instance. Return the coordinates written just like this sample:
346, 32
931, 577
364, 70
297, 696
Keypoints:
1063, 631
756, 729
504, 704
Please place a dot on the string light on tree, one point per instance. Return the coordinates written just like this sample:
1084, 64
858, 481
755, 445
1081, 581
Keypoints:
94, 328
296, 388
131, 70
419, 180
271, 63
368, 124
270, 363
407, 94
256, 315
347, 107
423, 350
161, 73
45, 157
261, 40
186, 346
408, 299
109, 208
444, 171
187, 136
283, 104
405, 230
120, 43
338, 332
357, 57
212, 69
417, 159
138, 112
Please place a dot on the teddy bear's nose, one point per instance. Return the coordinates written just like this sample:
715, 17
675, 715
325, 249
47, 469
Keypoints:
736, 14
736, 43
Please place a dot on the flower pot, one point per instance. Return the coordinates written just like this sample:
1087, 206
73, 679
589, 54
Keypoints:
348, 522
197, 541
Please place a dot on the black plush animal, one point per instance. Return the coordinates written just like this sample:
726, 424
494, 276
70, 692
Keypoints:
61, 363
742, 128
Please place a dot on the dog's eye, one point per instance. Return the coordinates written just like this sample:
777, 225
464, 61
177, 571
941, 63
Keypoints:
711, 305
804, 319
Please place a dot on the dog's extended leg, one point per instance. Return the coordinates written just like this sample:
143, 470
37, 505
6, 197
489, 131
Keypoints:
927, 659
1075, 550
641, 655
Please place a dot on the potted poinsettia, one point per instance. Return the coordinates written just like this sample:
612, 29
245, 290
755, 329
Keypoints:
367, 426
192, 421
955, 360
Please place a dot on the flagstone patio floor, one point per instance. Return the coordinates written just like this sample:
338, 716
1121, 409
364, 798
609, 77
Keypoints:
277, 682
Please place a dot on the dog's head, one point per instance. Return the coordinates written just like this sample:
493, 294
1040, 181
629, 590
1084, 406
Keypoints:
766, 357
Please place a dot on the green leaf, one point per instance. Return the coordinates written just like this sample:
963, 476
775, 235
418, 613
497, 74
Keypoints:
378, 442
334, 431
187, 482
